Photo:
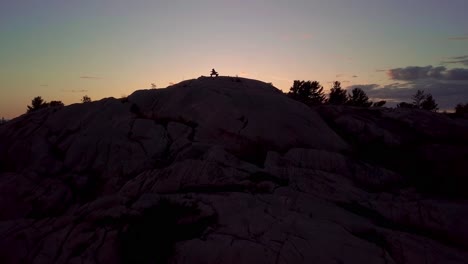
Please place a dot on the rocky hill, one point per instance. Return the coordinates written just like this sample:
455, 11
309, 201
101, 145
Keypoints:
229, 170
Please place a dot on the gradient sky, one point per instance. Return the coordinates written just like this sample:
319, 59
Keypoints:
62, 50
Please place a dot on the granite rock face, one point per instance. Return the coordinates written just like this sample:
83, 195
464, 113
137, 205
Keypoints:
229, 170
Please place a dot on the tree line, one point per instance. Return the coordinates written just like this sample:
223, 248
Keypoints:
311, 93
39, 103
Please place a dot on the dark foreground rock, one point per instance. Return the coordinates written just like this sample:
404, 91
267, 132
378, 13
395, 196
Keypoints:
229, 170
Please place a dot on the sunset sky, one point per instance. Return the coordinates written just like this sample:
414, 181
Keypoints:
62, 50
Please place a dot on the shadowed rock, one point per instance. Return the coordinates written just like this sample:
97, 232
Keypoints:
216, 170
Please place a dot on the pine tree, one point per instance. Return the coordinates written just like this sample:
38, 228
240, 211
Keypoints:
36, 104
308, 92
429, 104
337, 95
418, 98
359, 98
317, 96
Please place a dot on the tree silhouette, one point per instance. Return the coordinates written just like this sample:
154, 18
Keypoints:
308, 92
39, 103
461, 109
86, 99
429, 103
337, 95
55, 104
36, 104
421, 100
418, 98
296, 91
359, 98
317, 96
153, 86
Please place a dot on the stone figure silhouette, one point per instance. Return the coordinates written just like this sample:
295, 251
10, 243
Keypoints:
213, 72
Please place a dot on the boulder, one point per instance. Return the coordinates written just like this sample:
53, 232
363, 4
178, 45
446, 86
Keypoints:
231, 170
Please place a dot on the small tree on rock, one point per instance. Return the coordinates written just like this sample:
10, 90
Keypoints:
36, 104
421, 100
429, 104
359, 98
337, 95
86, 99
308, 92
56, 104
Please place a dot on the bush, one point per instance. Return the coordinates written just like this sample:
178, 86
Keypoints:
56, 104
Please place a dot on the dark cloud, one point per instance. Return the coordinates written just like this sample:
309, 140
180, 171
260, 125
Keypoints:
457, 60
446, 93
380, 70
44, 85
460, 57
413, 73
459, 38
354, 76
392, 92
457, 74
448, 86
90, 77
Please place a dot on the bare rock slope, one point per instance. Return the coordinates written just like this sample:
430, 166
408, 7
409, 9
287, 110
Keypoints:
229, 170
